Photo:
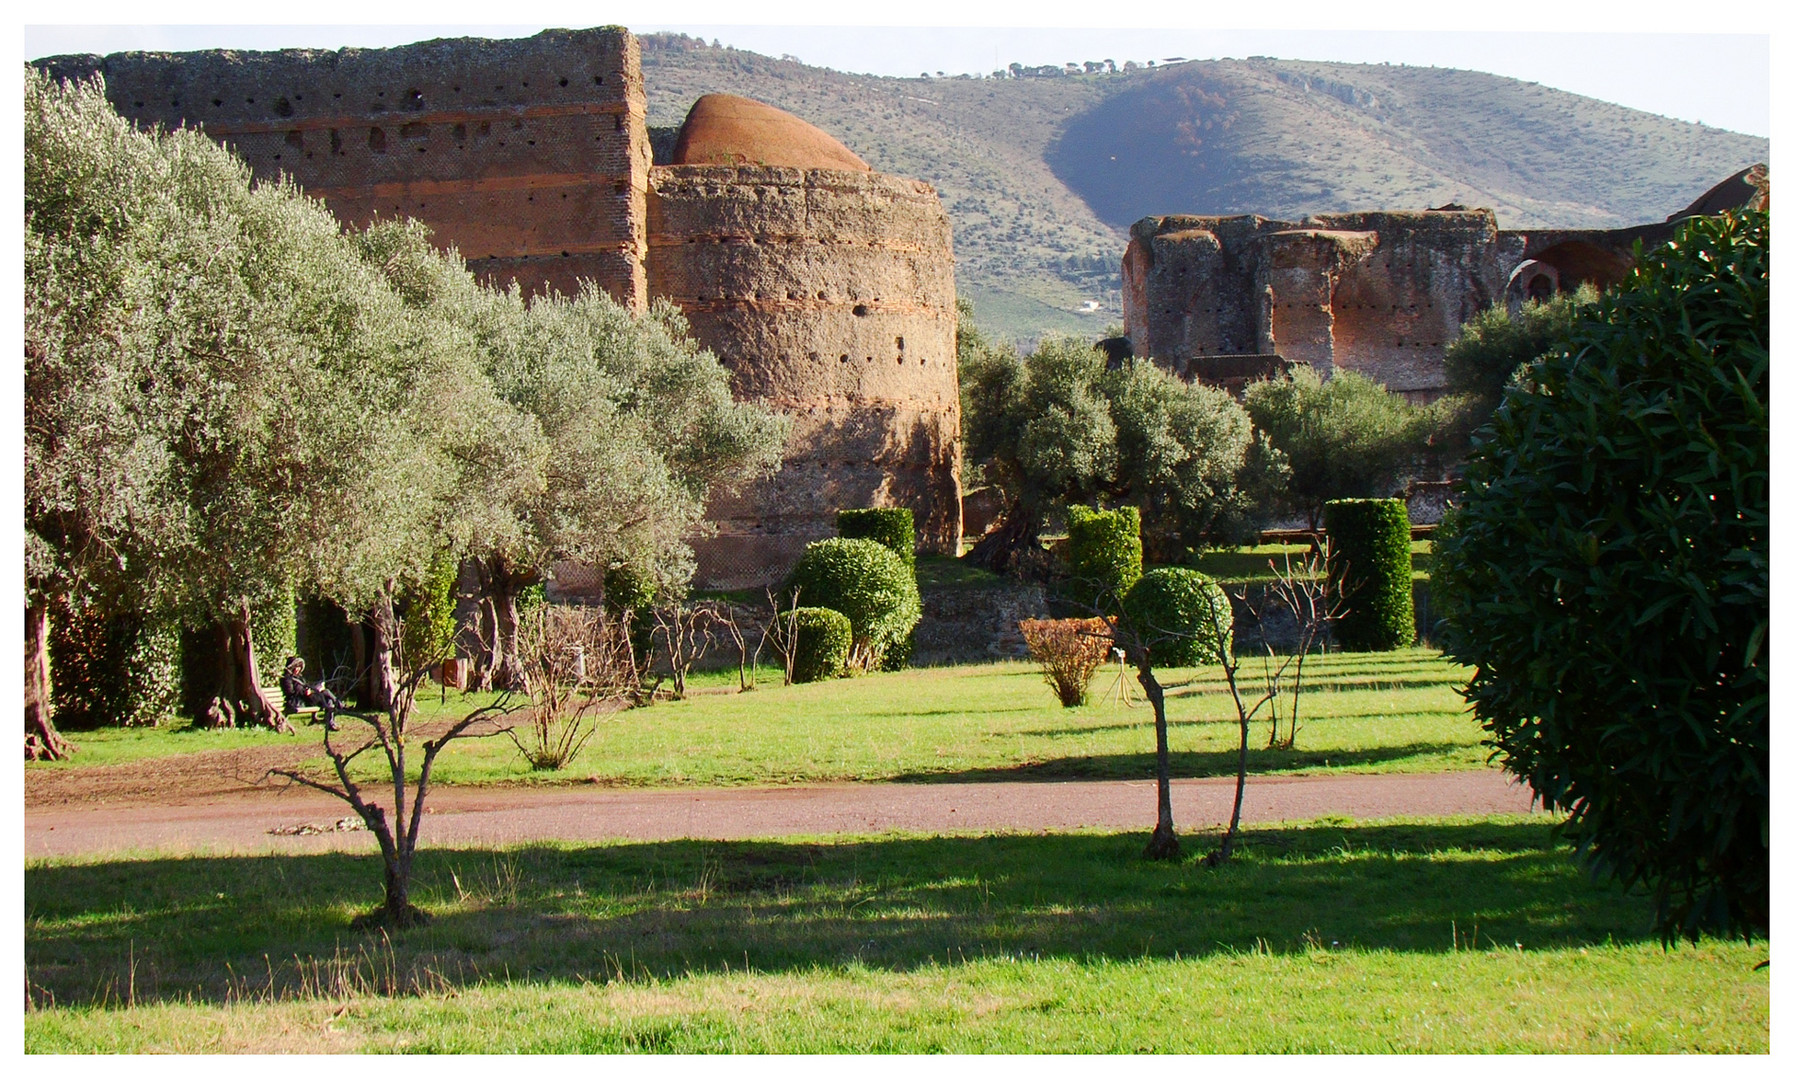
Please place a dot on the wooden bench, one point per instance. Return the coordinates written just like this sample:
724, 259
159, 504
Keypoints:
310, 712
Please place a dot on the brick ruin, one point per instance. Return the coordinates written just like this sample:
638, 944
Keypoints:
826, 288
1225, 299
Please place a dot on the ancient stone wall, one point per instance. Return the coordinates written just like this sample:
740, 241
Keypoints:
830, 296
1382, 293
529, 155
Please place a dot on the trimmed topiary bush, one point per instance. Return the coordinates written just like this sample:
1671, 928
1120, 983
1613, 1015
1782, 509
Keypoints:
1103, 553
868, 583
824, 639
1373, 573
892, 526
1607, 577
1181, 616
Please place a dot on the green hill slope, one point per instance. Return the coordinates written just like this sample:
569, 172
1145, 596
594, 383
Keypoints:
1043, 175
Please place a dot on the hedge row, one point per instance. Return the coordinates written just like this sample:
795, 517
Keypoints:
1371, 569
1103, 548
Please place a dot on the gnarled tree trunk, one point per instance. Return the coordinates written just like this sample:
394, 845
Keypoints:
1002, 549
500, 584
238, 690
42, 740
381, 681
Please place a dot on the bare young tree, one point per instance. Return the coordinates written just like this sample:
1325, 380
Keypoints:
687, 633
782, 631
396, 826
1313, 599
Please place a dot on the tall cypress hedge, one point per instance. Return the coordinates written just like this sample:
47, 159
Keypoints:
1103, 552
892, 526
1371, 569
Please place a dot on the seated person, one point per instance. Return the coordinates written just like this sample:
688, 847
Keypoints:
299, 694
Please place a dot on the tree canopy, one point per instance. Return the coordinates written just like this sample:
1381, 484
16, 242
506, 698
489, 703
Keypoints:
1062, 426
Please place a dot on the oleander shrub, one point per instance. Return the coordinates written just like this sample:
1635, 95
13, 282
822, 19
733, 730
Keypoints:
892, 526
823, 640
868, 583
1181, 616
1103, 555
1371, 569
1069, 651
1607, 577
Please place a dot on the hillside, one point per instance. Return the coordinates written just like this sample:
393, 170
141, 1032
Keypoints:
1043, 175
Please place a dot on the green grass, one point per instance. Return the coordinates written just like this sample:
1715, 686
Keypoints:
1253, 564
1443, 935
1361, 712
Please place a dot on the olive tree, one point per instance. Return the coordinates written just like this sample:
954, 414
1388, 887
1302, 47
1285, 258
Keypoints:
1063, 426
1344, 438
639, 429
1607, 577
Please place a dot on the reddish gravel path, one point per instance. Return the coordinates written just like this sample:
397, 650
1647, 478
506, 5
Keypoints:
240, 821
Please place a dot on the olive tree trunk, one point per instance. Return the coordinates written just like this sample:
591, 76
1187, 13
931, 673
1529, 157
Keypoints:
500, 584
237, 687
42, 741
384, 627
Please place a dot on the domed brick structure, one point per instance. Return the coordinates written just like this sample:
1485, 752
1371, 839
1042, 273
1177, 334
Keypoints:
723, 129
828, 290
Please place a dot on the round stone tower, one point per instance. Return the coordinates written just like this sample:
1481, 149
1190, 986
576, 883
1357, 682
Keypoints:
827, 289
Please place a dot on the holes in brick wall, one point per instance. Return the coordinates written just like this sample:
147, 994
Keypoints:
216, 102
283, 107
377, 140
416, 99
862, 311
296, 140
460, 132
900, 343
844, 358
336, 142
563, 82
598, 80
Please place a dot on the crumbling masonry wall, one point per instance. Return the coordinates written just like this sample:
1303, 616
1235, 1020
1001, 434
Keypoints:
530, 155
1381, 293
830, 296
828, 293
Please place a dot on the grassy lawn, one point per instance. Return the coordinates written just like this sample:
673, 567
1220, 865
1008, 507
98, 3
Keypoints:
1442, 935
1360, 712
1252, 565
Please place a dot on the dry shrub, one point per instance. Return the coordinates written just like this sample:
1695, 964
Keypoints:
575, 662
1070, 651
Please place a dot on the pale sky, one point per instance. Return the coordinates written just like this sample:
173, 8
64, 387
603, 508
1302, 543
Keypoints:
1633, 54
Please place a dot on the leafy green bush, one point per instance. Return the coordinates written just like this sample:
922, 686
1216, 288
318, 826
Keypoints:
824, 638
868, 583
1346, 438
1372, 573
426, 609
119, 669
1607, 577
893, 526
1183, 617
1103, 552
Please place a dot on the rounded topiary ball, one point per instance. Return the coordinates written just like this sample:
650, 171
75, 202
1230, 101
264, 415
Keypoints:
823, 640
1183, 617
865, 581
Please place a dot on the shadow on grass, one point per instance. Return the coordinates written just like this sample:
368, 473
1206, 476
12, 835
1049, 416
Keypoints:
240, 928
1186, 764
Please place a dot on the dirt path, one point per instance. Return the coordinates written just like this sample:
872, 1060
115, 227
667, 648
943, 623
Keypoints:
239, 821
